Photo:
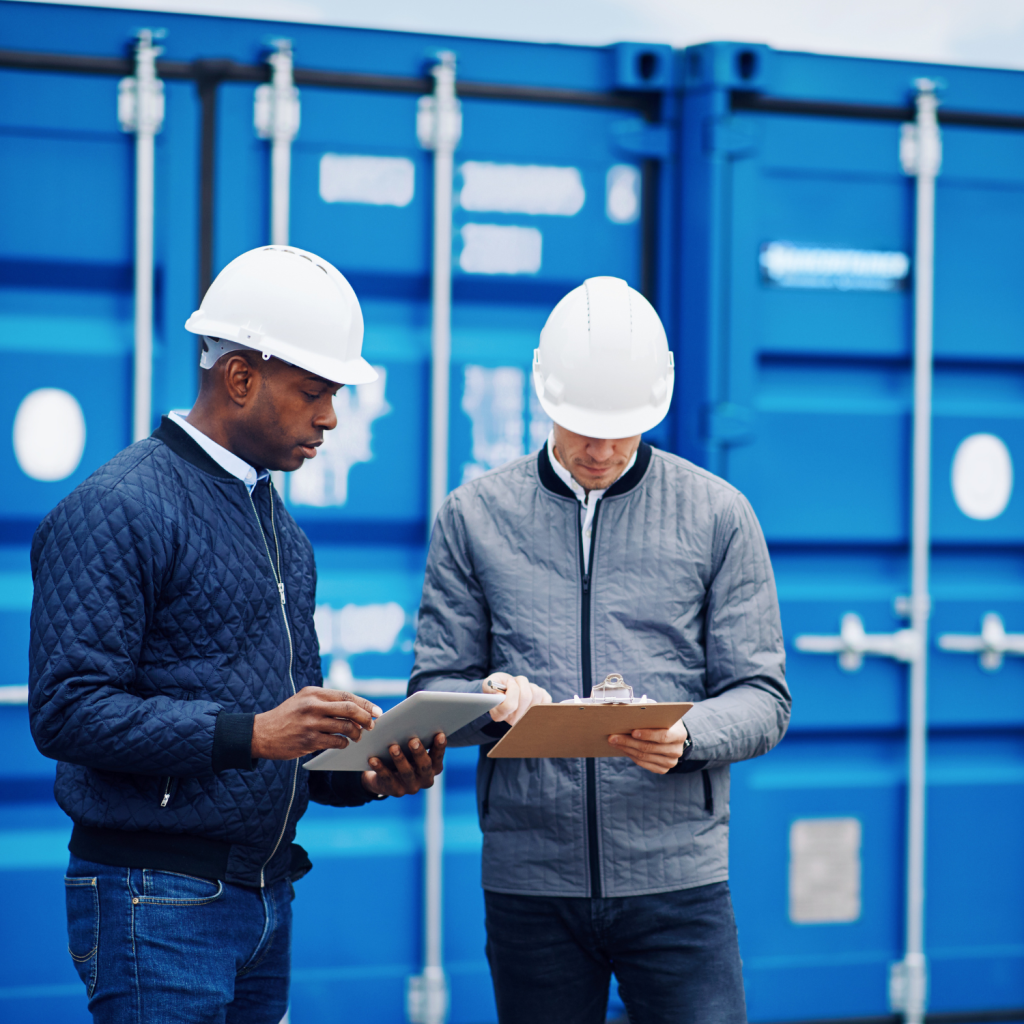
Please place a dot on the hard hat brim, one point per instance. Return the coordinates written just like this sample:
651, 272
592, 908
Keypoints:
339, 371
606, 425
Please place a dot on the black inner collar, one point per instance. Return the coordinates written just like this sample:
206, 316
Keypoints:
553, 482
181, 444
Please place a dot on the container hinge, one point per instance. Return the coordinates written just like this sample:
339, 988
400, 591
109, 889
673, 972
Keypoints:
727, 424
991, 645
638, 137
852, 644
724, 137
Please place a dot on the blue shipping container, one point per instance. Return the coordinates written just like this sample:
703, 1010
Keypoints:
758, 198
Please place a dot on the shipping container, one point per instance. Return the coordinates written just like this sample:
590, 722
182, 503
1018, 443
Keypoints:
768, 204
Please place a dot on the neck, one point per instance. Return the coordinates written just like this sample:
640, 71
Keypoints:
205, 416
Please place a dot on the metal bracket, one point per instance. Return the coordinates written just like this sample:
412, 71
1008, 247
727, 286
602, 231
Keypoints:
276, 108
920, 141
723, 136
641, 138
991, 645
908, 986
426, 997
853, 644
439, 114
727, 423
140, 98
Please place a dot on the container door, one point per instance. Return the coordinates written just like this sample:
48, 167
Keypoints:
818, 369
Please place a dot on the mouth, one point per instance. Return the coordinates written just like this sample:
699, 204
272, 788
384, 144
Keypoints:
309, 450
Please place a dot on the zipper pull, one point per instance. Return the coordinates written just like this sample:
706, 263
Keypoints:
280, 590
167, 793
586, 582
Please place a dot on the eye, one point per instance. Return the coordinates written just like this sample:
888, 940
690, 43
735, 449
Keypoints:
312, 396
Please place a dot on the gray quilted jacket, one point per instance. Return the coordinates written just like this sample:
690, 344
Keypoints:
680, 599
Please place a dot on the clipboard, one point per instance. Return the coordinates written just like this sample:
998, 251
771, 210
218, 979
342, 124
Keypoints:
581, 730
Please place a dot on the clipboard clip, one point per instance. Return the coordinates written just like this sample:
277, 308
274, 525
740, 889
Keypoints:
613, 690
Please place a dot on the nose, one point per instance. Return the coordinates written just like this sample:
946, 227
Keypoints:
326, 418
600, 450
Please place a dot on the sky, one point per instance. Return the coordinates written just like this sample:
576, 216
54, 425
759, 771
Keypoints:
988, 32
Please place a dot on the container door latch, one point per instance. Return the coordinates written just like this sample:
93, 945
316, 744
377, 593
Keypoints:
852, 644
991, 645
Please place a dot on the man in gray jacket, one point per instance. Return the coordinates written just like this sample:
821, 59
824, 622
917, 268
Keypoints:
600, 554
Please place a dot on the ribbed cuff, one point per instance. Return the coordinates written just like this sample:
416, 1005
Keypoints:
232, 742
348, 790
495, 729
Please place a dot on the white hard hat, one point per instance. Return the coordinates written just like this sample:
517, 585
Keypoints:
288, 303
604, 368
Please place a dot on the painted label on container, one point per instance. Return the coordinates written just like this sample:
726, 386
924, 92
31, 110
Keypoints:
375, 180
500, 249
799, 266
521, 188
824, 870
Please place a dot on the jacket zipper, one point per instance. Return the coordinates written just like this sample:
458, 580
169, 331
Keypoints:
279, 580
169, 781
590, 781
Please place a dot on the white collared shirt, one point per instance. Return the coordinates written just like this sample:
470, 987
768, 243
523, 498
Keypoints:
587, 500
226, 460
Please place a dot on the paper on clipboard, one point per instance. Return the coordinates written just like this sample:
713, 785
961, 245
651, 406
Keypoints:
582, 730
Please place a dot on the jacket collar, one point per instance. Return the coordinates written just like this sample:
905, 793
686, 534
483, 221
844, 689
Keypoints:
550, 480
182, 445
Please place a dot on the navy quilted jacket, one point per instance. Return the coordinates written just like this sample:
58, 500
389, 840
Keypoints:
157, 635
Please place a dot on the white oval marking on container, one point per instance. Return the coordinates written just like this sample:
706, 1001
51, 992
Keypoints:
622, 197
49, 434
982, 476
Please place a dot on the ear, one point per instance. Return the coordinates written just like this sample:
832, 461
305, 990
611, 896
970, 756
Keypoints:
239, 378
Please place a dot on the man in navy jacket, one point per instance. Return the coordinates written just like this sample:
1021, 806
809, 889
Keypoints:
175, 670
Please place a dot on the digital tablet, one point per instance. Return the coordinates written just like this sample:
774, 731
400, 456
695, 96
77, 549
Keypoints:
424, 714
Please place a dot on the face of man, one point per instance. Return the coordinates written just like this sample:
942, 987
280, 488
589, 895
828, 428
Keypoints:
595, 463
276, 414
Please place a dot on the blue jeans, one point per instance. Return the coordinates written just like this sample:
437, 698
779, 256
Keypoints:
674, 954
155, 947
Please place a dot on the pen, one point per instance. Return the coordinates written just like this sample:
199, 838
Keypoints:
500, 687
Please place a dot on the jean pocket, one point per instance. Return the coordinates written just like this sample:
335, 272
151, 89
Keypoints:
83, 903
168, 888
